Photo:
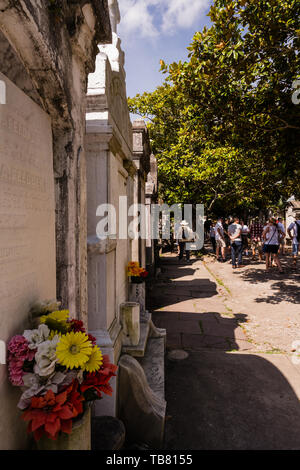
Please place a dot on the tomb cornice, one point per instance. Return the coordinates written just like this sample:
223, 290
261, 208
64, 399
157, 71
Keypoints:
46, 39
103, 126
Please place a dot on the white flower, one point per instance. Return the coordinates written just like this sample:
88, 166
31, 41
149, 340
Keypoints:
46, 357
36, 337
36, 385
42, 308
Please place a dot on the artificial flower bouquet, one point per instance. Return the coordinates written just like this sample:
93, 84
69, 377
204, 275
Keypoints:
59, 369
136, 273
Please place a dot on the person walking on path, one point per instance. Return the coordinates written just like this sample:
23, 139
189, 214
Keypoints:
282, 239
294, 233
271, 236
212, 236
235, 235
256, 231
245, 234
185, 235
220, 240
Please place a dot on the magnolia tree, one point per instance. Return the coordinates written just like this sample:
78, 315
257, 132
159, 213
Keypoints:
225, 123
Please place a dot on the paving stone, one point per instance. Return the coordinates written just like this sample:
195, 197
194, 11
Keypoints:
190, 316
171, 316
227, 394
195, 342
174, 340
232, 401
178, 326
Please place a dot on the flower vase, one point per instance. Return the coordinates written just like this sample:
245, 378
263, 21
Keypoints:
136, 280
79, 439
137, 294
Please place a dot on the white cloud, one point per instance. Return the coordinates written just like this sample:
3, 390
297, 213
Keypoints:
149, 18
136, 17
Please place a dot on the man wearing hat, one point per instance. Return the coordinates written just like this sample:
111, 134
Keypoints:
185, 235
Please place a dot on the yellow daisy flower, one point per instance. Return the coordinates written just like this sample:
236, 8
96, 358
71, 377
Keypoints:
95, 361
74, 350
58, 315
54, 333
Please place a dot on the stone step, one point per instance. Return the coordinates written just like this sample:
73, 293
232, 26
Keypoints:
139, 350
153, 364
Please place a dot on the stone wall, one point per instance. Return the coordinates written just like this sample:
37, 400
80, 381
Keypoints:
27, 230
57, 46
292, 212
110, 170
141, 158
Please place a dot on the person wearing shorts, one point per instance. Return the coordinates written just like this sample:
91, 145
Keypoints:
271, 236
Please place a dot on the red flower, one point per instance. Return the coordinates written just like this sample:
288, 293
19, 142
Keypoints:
92, 339
99, 380
144, 274
77, 326
52, 413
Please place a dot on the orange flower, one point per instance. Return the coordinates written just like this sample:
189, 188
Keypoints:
133, 268
133, 264
52, 413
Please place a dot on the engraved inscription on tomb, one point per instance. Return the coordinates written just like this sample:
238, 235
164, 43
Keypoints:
27, 210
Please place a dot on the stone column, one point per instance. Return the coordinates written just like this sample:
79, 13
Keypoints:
109, 173
103, 323
141, 157
151, 198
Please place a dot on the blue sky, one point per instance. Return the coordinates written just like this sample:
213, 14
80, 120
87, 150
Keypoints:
151, 30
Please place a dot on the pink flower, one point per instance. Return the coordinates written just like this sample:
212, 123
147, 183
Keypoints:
16, 372
18, 353
18, 347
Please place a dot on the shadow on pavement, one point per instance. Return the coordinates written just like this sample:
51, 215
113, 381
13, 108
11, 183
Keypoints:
284, 288
172, 288
197, 331
217, 399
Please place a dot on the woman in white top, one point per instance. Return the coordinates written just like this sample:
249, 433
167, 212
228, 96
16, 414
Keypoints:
272, 235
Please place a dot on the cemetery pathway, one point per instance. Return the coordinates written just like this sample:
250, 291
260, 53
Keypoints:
238, 388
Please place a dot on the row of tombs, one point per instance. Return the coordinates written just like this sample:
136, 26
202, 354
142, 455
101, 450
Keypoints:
67, 146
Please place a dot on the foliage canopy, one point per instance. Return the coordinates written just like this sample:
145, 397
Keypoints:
223, 124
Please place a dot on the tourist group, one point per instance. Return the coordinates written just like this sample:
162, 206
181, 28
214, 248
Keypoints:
233, 235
